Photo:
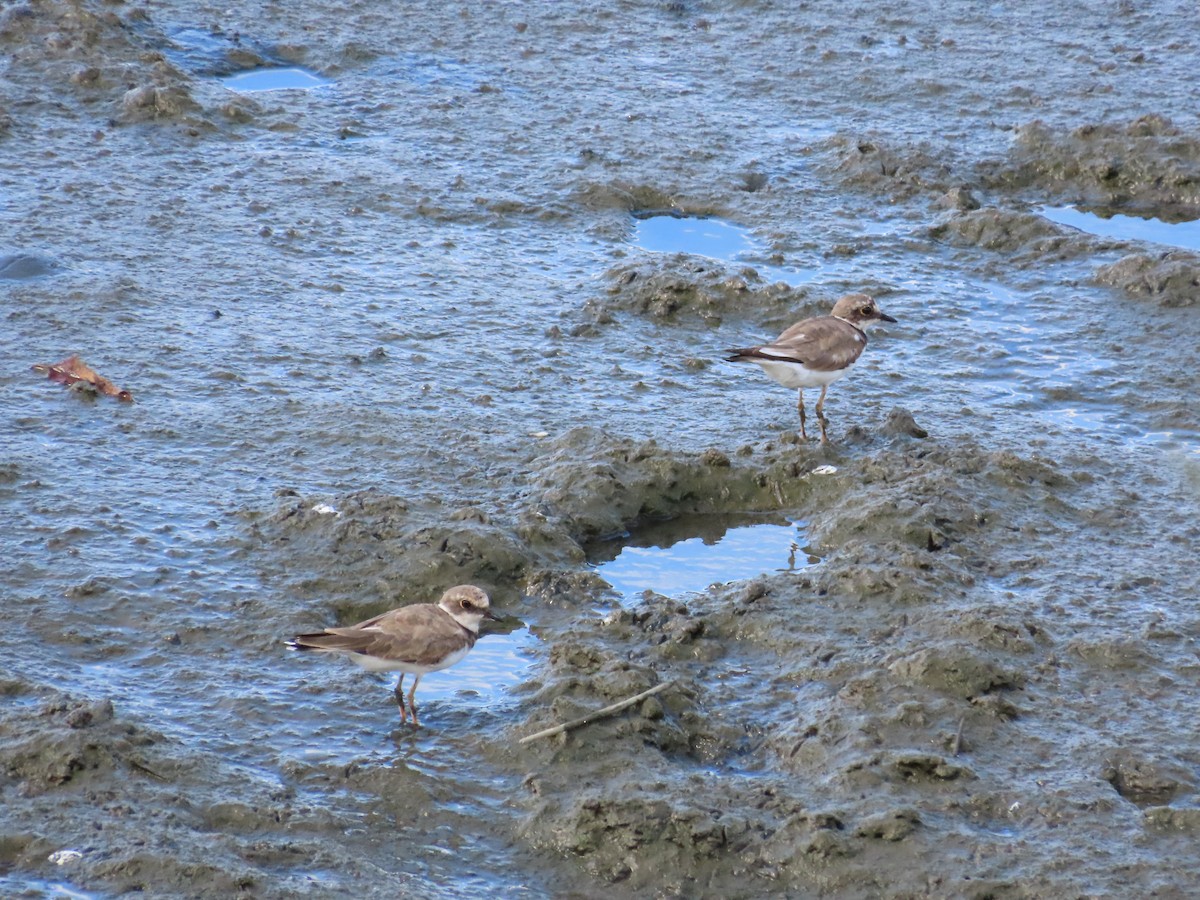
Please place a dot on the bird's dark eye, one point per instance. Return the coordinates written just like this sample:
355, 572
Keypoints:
466, 604
867, 311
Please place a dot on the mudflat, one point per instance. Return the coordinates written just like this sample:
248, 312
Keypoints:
389, 326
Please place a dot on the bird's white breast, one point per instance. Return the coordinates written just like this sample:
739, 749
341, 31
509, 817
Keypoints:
381, 664
450, 659
797, 375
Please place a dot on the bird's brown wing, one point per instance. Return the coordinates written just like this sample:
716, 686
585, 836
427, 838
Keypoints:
823, 344
420, 634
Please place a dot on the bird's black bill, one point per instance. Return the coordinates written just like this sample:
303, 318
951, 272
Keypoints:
884, 317
488, 614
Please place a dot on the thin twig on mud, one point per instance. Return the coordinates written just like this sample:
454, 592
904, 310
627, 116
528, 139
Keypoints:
142, 767
958, 736
598, 714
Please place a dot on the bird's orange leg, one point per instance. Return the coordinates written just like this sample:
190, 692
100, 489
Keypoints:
821, 414
400, 699
412, 703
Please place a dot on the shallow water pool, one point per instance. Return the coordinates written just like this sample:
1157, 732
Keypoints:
687, 556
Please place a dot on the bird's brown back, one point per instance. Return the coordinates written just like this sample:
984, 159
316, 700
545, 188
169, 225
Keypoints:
421, 634
823, 344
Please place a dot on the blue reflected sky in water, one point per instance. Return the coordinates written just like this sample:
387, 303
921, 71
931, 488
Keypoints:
1128, 228
274, 79
713, 238
693, 564
496, 663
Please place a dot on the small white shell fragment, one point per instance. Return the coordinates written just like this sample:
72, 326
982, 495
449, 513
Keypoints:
62, 857
539, 434
824, 470
325, 509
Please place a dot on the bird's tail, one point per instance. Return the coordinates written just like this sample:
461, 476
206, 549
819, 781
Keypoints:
322, 640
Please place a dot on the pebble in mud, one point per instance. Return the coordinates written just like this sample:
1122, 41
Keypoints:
901, 421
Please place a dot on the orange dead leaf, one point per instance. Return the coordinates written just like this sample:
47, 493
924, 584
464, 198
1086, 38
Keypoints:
73, 369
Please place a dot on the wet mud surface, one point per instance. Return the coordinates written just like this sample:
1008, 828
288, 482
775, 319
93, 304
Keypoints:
394, 333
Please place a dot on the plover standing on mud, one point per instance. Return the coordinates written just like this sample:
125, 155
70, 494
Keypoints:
416, 639
817, 352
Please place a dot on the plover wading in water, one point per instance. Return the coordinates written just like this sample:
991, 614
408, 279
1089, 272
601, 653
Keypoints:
817, 352
412, 640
